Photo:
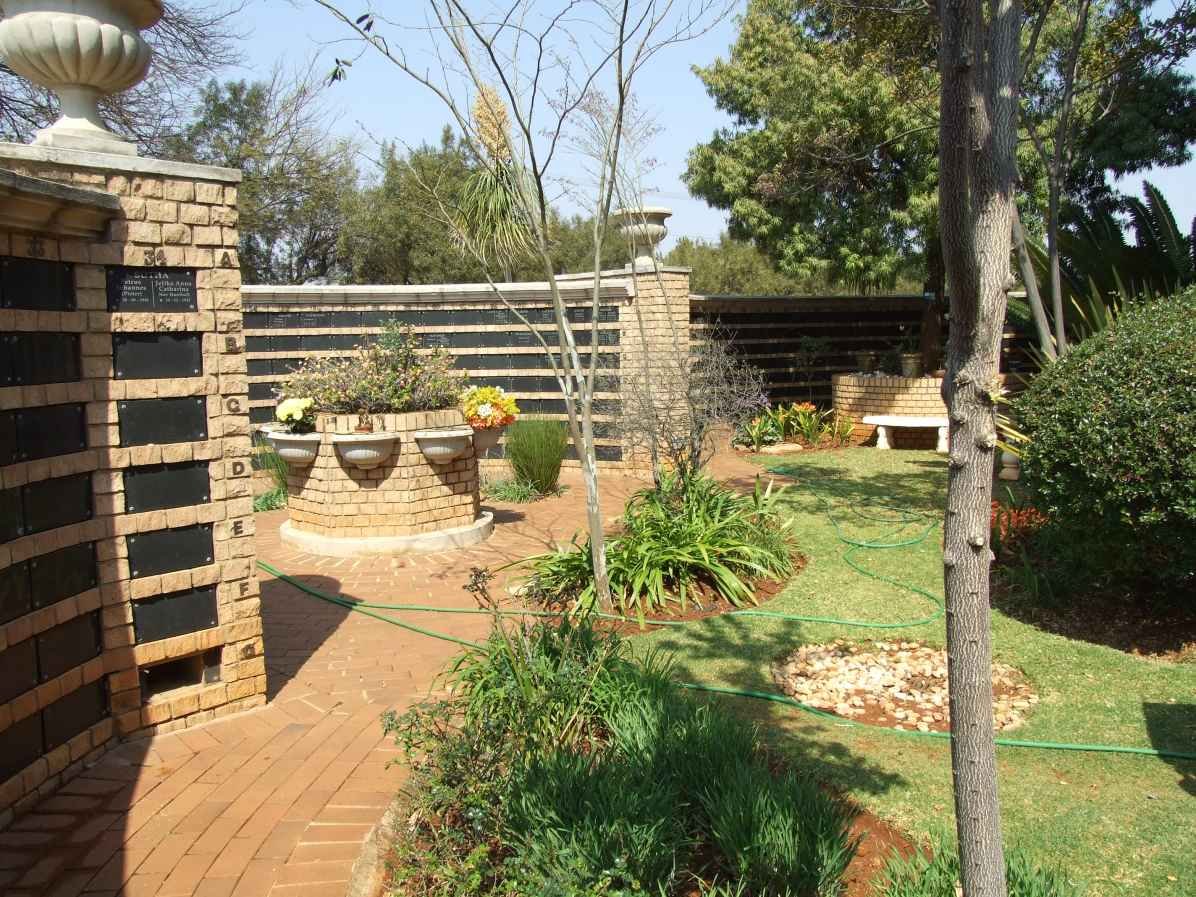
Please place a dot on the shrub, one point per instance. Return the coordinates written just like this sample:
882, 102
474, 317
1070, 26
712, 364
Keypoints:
674, 540
1112, 439
514, 491
535, 450
561, 765
937, 875
389, 377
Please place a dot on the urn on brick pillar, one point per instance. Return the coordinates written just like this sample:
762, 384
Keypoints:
82, 50
643, 228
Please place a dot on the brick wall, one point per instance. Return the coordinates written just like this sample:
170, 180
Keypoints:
405, 495
124, 457
860, 394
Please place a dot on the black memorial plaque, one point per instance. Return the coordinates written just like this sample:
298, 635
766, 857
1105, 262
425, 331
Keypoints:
146, 421
143, 356
35, 358
12, 514
158, 486
16, 600
167, 550
8, 437
37, 284
57, 502
60, 574
175, 614
20, 745
261, 390
68, 645
18, 670
67, 717
49, 431
151, 289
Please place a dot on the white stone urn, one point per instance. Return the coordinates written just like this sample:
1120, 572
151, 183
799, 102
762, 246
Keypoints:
297, 449
364, 450
82, 50
644, 228
444, 444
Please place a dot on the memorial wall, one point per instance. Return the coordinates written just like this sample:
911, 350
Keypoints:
128, 599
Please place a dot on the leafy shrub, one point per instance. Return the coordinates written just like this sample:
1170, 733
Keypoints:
389, 377
674, 540
267, 459
938, 875
562, 766
760, 431
271, 501
535, 450
1112, 439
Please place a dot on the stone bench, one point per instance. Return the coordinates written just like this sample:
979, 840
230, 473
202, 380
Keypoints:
884, 422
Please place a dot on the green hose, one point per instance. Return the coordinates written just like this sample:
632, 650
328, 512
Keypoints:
361, 607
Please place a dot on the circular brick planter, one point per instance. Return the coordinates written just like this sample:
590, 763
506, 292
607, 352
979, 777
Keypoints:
405, 504
858, 395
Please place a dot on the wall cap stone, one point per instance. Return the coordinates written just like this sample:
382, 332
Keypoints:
48, 207
20, 152
447, 292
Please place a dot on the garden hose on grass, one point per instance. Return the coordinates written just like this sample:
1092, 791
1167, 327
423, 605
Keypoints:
903, 517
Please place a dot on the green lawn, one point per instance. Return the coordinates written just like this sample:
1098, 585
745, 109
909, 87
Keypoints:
1122, 825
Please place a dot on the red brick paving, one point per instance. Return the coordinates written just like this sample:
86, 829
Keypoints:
278, 801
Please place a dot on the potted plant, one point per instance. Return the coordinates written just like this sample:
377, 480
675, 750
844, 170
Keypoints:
295, 438
488, 410
866, 361
911, 358
391, 376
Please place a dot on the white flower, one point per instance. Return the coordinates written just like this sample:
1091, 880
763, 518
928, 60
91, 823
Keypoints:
485, 409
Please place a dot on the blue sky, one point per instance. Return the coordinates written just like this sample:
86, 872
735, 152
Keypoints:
381, 102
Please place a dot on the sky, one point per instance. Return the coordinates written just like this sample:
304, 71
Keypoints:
379, 102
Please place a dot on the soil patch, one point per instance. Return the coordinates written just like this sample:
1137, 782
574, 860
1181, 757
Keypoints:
1126, 622
880, 840
902, 685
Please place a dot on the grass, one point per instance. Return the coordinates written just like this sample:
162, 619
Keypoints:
1119, 824
514, 491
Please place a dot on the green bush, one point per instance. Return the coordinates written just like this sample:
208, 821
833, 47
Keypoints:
535, 450
675, 539
563, 766
1112, 450
937, 875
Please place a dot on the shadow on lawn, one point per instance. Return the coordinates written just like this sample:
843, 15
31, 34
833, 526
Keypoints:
1173, 727
917, 485
744, 648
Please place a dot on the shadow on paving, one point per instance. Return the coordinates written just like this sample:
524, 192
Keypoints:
1173, 727
295, 625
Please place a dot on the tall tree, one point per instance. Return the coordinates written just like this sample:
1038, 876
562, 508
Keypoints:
733, 266
978, 109
296, 174
190, 42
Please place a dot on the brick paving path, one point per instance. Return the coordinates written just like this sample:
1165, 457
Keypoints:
277, 801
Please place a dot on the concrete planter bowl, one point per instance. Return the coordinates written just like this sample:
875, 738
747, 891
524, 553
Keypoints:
444, 444
486, 438
297, 449
364, 451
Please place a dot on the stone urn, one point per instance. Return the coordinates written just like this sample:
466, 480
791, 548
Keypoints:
1011, 466
444, 444
644, 229
911, 364
364, 451
82, 50
297, 449
486, 438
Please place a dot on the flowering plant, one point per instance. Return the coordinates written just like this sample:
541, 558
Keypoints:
488, 407
296, 415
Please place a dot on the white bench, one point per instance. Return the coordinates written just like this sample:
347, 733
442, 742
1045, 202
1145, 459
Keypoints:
884, 422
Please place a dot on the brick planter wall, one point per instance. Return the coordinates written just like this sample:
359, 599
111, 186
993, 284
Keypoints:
406, 495
860, 394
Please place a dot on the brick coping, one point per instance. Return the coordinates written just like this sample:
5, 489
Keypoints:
434, 542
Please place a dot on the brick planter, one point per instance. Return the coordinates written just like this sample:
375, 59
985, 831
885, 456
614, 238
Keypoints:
858, 394
406, 504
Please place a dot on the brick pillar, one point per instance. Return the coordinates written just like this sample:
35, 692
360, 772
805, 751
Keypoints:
654, 344
139, 592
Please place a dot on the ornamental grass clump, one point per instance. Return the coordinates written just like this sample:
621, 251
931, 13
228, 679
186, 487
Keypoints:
392, 376
562, 764
678, 544
535, 450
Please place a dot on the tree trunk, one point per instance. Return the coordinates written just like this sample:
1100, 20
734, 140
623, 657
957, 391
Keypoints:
978, 63
1053, 262
1030, 279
